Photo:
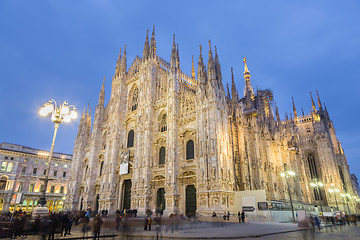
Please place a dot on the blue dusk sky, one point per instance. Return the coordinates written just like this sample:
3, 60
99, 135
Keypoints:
64, 49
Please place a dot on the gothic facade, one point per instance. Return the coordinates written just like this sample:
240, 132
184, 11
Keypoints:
189, 144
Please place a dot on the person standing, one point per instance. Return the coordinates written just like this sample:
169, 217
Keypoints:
228, 216
239, 216
96, 226
243, 216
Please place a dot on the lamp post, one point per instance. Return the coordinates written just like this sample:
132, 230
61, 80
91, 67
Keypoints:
334, 190
287, 174
318, 184
59, 114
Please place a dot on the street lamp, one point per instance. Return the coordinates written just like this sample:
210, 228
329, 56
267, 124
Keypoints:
318, 184
287, 174
334, 190
59, 114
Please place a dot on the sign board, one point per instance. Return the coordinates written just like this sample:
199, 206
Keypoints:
248, 208
19, 198
262, 206
124, 168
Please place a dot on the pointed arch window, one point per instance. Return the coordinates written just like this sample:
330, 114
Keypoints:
101, 167
162, 156
130, 142
163, 123
135, 99
62, 189
86, 170
312, 166
190, 149
52, 189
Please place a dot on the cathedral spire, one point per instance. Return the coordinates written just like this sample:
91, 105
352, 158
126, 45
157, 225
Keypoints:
312, 103
83, 114
146, 46
248, 89
153, 44
201, 69
87, 110
173, 53
177, 56
233, 87
102, 94
218, 68
294, 108
227, 90
118, 64
277, 114
192, 67
319, 102
123, 62
211, 65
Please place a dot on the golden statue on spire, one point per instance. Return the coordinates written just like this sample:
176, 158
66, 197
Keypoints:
246, 70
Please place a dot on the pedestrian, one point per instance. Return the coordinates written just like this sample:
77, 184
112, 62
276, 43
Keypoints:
317, 222
224, 216
228, 216
118, 221
85, 225
147, 223
243, 216
70, 224
53, 224
64, 224
157, 221
239, 216
96, 226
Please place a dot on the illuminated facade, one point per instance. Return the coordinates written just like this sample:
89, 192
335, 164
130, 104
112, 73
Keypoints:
21, 170
190, 144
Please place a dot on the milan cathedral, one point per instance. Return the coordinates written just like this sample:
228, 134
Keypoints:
186, 144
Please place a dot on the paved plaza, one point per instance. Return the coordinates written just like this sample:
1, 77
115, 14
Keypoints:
218, 230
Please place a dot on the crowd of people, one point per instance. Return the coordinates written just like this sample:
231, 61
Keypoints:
19, 223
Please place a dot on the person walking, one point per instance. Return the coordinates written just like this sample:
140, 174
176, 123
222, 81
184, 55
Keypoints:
239, 216
157, 221
96, 226
118, 221
228, 216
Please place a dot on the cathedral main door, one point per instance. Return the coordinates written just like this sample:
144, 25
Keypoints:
190, 200
160, 200
126, 203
